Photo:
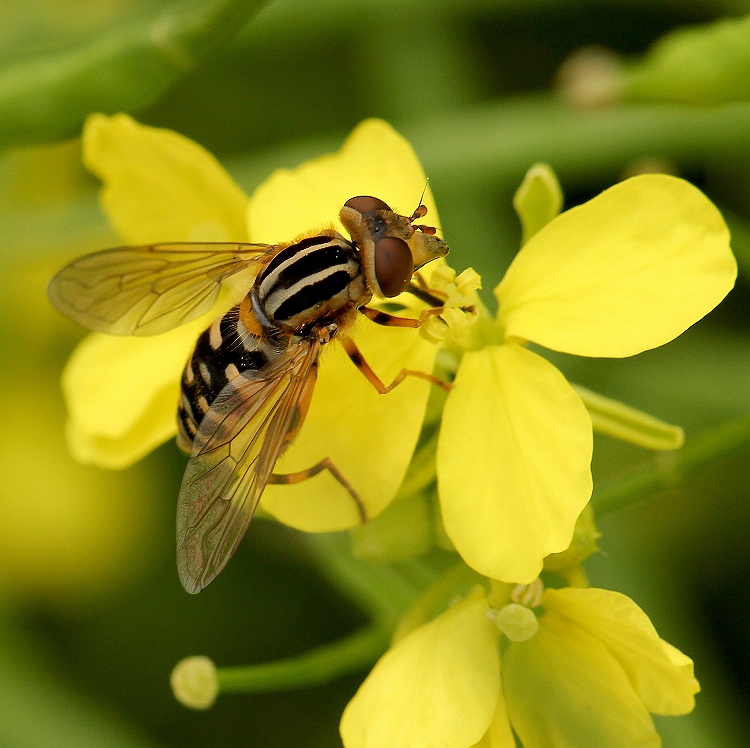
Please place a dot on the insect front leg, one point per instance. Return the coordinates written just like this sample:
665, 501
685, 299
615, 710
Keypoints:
422, 290
287, 479
358, 360
391, 320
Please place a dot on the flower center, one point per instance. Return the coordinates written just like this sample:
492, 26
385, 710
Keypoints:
517, 619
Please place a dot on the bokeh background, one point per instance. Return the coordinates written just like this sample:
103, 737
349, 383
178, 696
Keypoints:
92, 616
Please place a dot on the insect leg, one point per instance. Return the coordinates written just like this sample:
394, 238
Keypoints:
391, 320
325, 464
359, 361
422, 290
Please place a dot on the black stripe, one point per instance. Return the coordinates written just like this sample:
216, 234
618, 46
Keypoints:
325, 257
285, 254
312, 294
228, 326
187, 422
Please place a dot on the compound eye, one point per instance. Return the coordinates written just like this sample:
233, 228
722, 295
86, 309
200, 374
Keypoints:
366, 204
394, 265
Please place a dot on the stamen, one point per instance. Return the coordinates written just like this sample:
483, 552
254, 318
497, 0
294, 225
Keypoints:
528, 594
467, 281
441, 277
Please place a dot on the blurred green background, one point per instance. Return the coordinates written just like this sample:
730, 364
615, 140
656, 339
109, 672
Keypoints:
92, 617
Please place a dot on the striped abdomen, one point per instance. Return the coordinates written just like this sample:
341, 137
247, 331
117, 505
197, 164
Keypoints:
222, 352
314, 279
318, 279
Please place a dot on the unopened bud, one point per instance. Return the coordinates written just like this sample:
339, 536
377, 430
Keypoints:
538, 200
194, 682
591, 77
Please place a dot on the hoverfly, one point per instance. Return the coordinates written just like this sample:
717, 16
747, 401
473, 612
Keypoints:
248, 384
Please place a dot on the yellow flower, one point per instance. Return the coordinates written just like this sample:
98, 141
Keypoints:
627, 271
122, 392
587, 675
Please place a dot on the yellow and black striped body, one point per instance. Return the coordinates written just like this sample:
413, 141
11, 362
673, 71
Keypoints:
315, 282
310, 282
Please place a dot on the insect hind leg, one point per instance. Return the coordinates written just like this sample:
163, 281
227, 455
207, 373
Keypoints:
287, 479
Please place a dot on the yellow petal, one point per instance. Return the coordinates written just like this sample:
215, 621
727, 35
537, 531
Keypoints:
660, 674
160, 186
437, 688
500, 734
374, 160
683, 663
628, 271
370, 437
565, 690
122, 394
513, 462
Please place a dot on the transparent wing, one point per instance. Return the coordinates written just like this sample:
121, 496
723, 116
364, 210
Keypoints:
234, 453
150, 289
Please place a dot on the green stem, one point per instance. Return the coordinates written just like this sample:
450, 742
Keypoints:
47, 97
310, 17
355, 652
670, 469
494, 144
381, 590
436, 598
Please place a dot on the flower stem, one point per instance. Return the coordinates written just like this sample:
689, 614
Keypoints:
383, 591
670, 469
355, 652
493, 144
458, 579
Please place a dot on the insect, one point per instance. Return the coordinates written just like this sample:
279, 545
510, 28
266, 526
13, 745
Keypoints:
248, 384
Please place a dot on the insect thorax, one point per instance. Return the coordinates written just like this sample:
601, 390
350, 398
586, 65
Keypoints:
312, 280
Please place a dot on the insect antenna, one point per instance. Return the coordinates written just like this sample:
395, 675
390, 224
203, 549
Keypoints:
420, 212
424, 191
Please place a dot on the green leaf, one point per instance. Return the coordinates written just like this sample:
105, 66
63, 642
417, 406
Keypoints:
46, 98
703, 65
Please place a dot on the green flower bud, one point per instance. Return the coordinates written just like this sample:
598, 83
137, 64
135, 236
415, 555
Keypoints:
538, 200
194, 682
